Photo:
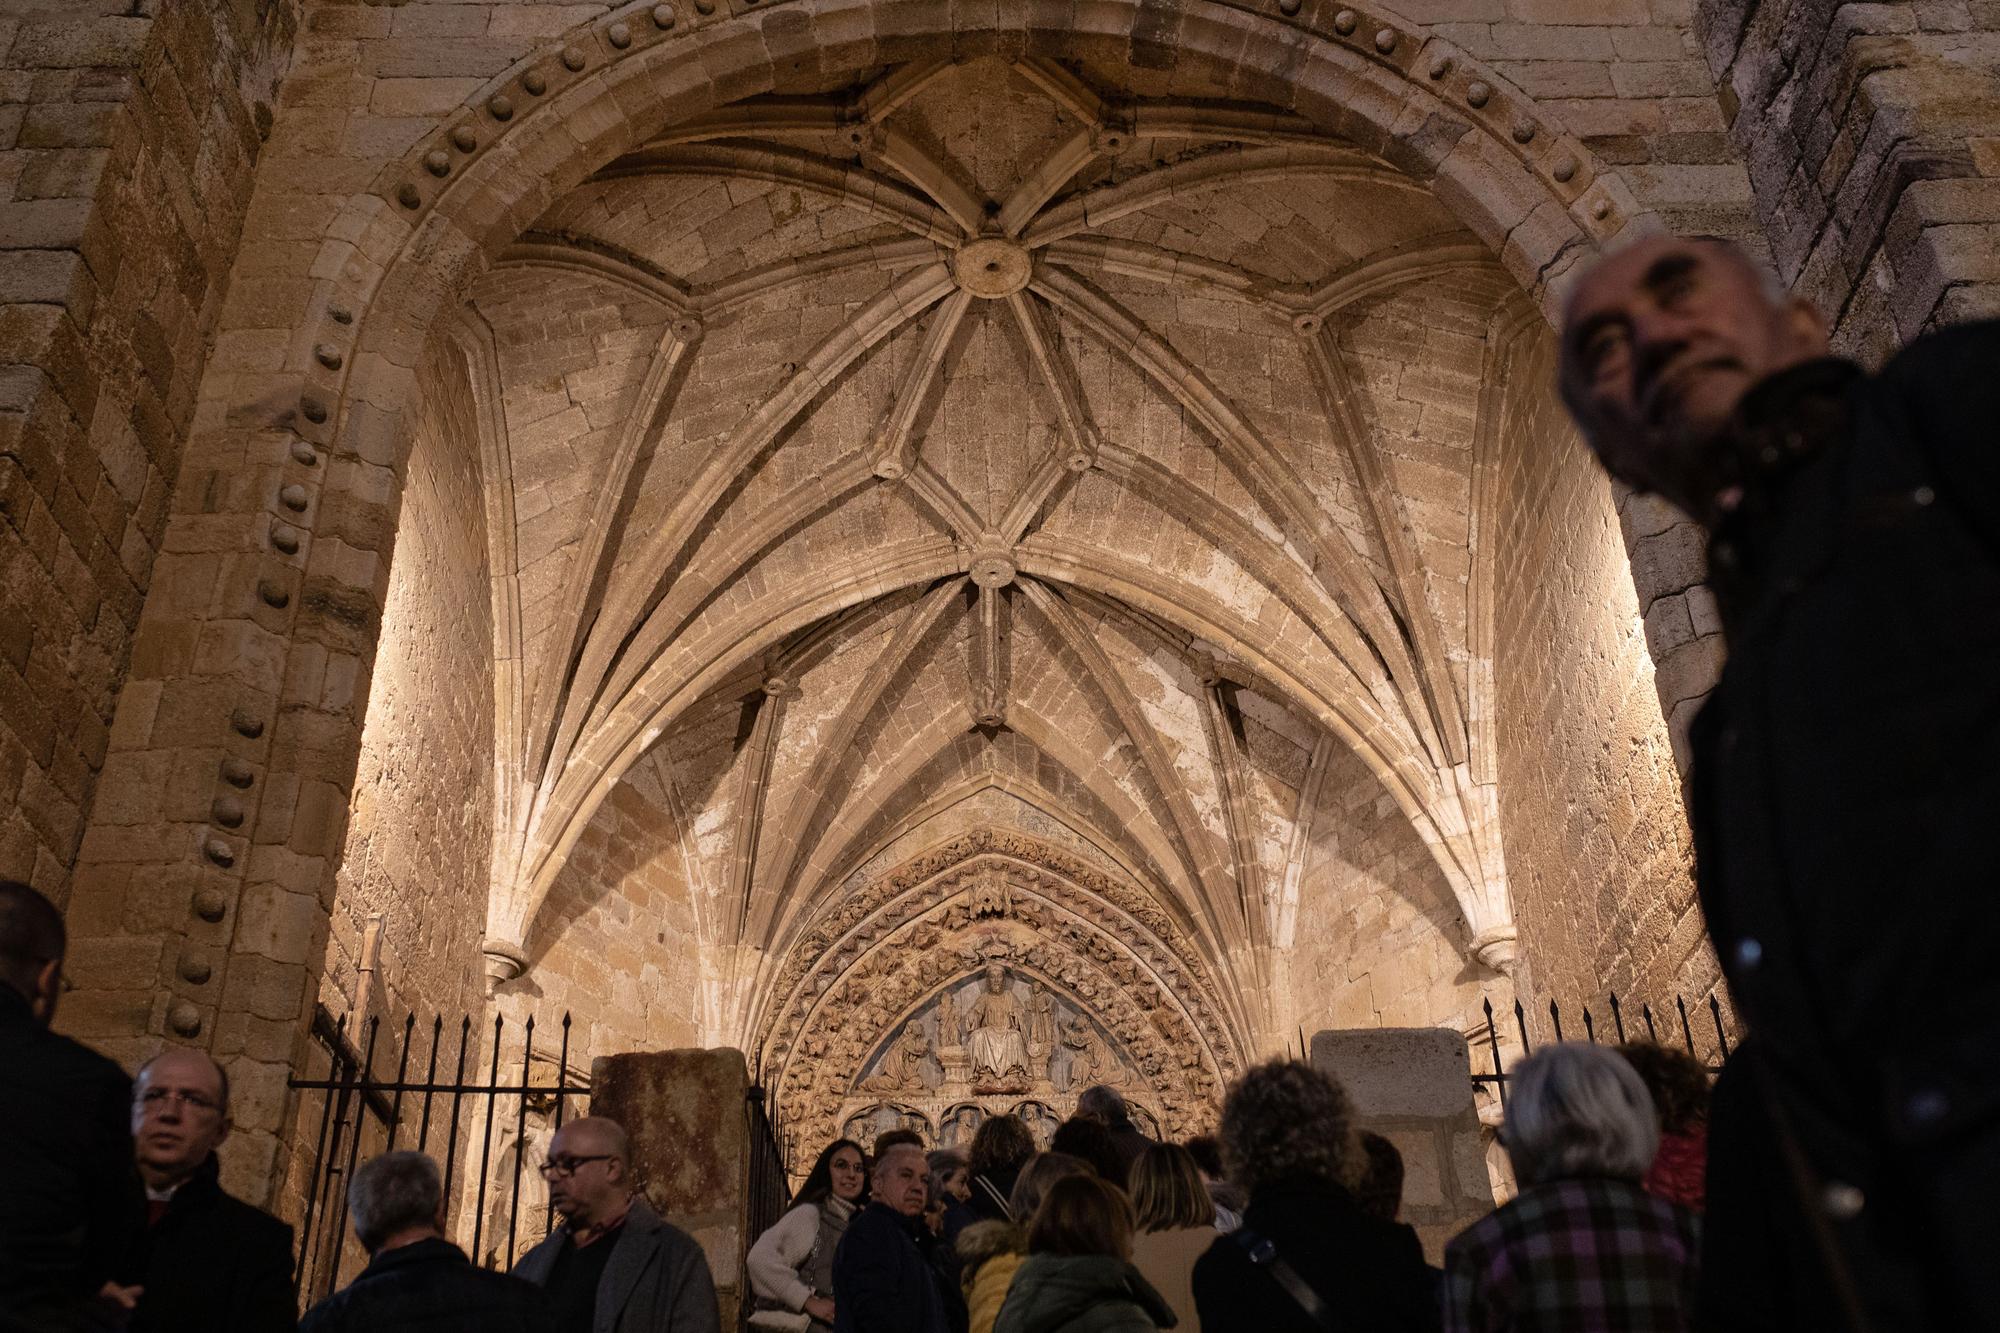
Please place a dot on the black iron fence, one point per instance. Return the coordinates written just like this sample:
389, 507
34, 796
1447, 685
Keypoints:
768, 1189
448, 1098
443, 1112
1677, 1027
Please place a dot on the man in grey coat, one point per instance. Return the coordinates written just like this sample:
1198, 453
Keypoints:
614, 1266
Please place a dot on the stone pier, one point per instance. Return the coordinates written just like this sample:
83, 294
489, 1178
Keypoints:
688, 1115
1413, 1086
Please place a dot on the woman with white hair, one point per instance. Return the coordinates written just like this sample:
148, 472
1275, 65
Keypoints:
1582, 1246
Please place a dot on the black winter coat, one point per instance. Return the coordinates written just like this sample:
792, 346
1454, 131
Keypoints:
215, 1262
71, 1207
1369, 1272
1845, 780
882, 1281
431, 1287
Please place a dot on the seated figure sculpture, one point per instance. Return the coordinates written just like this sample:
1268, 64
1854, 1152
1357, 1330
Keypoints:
996, 1033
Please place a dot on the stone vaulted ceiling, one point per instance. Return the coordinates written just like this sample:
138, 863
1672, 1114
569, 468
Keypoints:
991, 450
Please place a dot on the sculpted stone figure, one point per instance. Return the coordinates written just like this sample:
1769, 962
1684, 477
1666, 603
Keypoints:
947, 1021
903, 1066
997, 1038
1042, 1032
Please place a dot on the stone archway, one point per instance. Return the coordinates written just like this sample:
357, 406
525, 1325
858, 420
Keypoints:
387, 282
878, 962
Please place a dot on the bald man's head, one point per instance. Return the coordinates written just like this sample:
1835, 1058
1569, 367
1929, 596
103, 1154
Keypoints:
589, 1171
180, 1114
1660, 342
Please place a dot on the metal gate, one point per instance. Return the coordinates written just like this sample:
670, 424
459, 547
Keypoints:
442, 1112
1496, 1078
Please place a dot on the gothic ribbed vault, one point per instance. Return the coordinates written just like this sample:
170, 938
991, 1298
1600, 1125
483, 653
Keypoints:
990, 446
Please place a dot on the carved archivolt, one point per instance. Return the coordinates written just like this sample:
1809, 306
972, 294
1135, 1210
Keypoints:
863, 974
1034, 869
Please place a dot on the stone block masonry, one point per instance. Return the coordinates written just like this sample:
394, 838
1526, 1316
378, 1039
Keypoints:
128, 141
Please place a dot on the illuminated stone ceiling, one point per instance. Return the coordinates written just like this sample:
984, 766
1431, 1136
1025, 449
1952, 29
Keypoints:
993, 449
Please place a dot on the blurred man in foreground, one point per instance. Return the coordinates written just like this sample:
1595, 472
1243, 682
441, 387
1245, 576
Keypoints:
1843, 778
70, 1207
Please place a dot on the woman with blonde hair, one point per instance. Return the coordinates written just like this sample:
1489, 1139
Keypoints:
1176, 1219
1078, 1277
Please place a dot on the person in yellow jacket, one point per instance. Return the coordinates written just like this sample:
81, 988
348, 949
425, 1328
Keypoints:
990, 1253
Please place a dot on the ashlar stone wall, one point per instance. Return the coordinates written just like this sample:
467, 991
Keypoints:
1597, 846
1871, 133
128, 135
420, 828
1379, 941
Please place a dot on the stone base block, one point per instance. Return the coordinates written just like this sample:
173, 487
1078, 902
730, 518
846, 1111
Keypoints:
1413, 1086
687, 1117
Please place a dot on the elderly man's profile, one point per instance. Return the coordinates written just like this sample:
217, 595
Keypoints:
1842, 778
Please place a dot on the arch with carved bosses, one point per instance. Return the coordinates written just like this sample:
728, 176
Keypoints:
889, 948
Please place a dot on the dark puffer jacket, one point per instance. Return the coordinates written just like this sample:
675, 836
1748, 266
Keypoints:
1091, 1293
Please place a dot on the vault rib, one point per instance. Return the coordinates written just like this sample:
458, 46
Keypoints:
1352, 586
725, 296
1063, 88
1232, 772
856, 187
627, 607
703, 578
589, 568
1191, 837
571, 793
1341, 398
1300, 845
894, 451
928, 487
1048, 177
959, 200
1095, 208
1109, 254
881, 98
989, 663
817, 787
1418, 788
512, 789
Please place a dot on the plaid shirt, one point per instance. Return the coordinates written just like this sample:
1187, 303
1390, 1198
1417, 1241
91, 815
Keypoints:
1574, 1256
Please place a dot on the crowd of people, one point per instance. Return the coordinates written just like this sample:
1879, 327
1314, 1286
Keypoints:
1109, 1232
116, 1217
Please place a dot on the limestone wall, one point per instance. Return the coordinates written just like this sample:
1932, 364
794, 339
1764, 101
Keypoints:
1379, 940
1871, 133
1597, 846
617, 945
126, 152
420, 828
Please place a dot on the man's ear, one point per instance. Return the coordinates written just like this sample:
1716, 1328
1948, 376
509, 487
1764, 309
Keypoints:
1807, 326
614, 1170
48, 989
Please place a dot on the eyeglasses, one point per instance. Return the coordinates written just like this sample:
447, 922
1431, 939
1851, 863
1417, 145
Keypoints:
157, 1099
566, 1166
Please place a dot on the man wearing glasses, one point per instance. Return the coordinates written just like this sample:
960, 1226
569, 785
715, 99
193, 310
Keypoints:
211, 1261
614, 1266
